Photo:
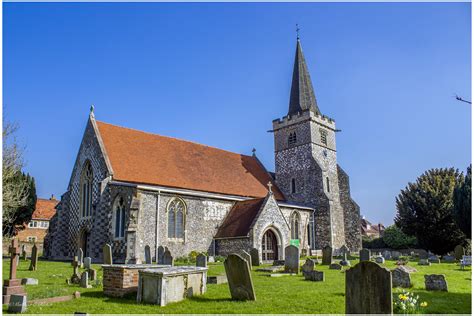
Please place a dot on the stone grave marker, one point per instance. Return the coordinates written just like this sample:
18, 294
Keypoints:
335, 266
380, 260
244, 254
160, 253
239, 278
216, 279
387, 255
147, 255
92, 274
75, 278
435, 282
107, 253
292, 259
29, 281
80, 257
12, 285
201, 260
459, 252
34, 258
423, 254
327, 255
434, 259
401, 277
87, 262
344, 250
344, 262
23, 252
364, 254
85, 280
396, 255
255, 257
449, 259
309, 273
368, 289
424, 262
167, 258
17, 304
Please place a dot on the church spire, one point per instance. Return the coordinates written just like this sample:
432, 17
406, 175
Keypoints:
302, 94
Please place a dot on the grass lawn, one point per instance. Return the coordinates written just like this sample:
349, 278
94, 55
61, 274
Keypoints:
289, 294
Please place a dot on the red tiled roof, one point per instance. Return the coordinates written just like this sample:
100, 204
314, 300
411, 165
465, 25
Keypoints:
145, 158
237, 222
45, 209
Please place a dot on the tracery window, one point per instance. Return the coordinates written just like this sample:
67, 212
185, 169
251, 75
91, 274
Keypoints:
86, 190
119, 217
295, 225
176, 218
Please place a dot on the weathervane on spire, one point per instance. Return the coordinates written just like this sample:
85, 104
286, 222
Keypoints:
297, 31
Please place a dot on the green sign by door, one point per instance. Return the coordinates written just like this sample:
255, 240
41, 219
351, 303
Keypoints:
295, 242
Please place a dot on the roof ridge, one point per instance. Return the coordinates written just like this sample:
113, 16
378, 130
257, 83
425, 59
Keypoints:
174, 138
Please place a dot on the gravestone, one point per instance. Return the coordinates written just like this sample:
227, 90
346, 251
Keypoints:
449, 259
335, 266
107, 253
424, 262
327, 255
29, 281
201, 260
309, 273
364, 254
292, 259
34, 258
216, 279
239, 278
396, 255
255, 257
401, 277
23, 252
344, 250
75, 278
387, 255
87, 262
92, 274
167, 258
147, 255
17, 304
160, 253
434, 259
85, 280
80, 257
435, 282
244, 254
380, 260
12, 285
459, 252
368, 289
344, 262
423, 254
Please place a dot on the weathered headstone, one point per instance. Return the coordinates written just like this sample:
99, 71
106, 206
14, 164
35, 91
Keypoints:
239, 278
147, 255
12, 285
459, 252
244, 254
34, 258
401, 277
449, 259
327, 255
75, 278
201, 260
387, 255
335, 266
29, 281
423, 254
436, 282
380, 260
87, 262
292, 259
309, 273
424, 262
17, 304
255, 257
167, 258
434, 259
368, 289
344, 262
85, 280
396, 255
80, 257
159, 254
343, 250
23, 252
92, 274
107, 253
364, 254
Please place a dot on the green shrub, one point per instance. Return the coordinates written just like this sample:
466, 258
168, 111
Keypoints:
373, 243
394, 238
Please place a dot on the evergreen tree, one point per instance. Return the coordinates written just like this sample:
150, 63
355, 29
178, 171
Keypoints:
462, 204
425, 210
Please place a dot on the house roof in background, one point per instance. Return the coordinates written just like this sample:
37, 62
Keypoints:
45, 209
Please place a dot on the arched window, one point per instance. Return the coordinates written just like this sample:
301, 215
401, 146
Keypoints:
119, 217
176, 218
292, 138
295, 225
86, 190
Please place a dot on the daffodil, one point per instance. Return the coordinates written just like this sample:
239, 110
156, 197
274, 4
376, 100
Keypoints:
424, 304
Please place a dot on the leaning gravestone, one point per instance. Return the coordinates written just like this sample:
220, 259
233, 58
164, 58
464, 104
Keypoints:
368, 289
239, 278
401, 277
255, 257
107, 253
364, 254
87, 262
309, 273
459, 252
80, 257
292, 259
160, 254
147, 255
436, 282
244, 254
380, 260
327, 255
201, 260
17, 304
167, 258
34, 258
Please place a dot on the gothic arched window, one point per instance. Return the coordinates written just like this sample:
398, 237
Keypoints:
295, 225
119, 217
86, 190
176, 218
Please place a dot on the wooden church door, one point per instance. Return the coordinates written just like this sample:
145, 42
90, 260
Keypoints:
269, 246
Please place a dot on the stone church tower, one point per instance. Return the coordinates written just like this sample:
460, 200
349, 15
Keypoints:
306, 168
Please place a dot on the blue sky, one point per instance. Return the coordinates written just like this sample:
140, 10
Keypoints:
218, 74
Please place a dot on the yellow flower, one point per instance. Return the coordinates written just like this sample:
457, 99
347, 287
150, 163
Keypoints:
403, 297
424, 304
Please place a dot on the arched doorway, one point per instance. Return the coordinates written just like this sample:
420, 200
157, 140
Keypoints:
83, 242
269, 246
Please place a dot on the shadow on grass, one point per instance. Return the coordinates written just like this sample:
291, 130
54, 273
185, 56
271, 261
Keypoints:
208, 299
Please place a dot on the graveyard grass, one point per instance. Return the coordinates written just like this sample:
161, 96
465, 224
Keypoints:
289, 294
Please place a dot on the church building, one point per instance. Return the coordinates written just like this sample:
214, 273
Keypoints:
131, 189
